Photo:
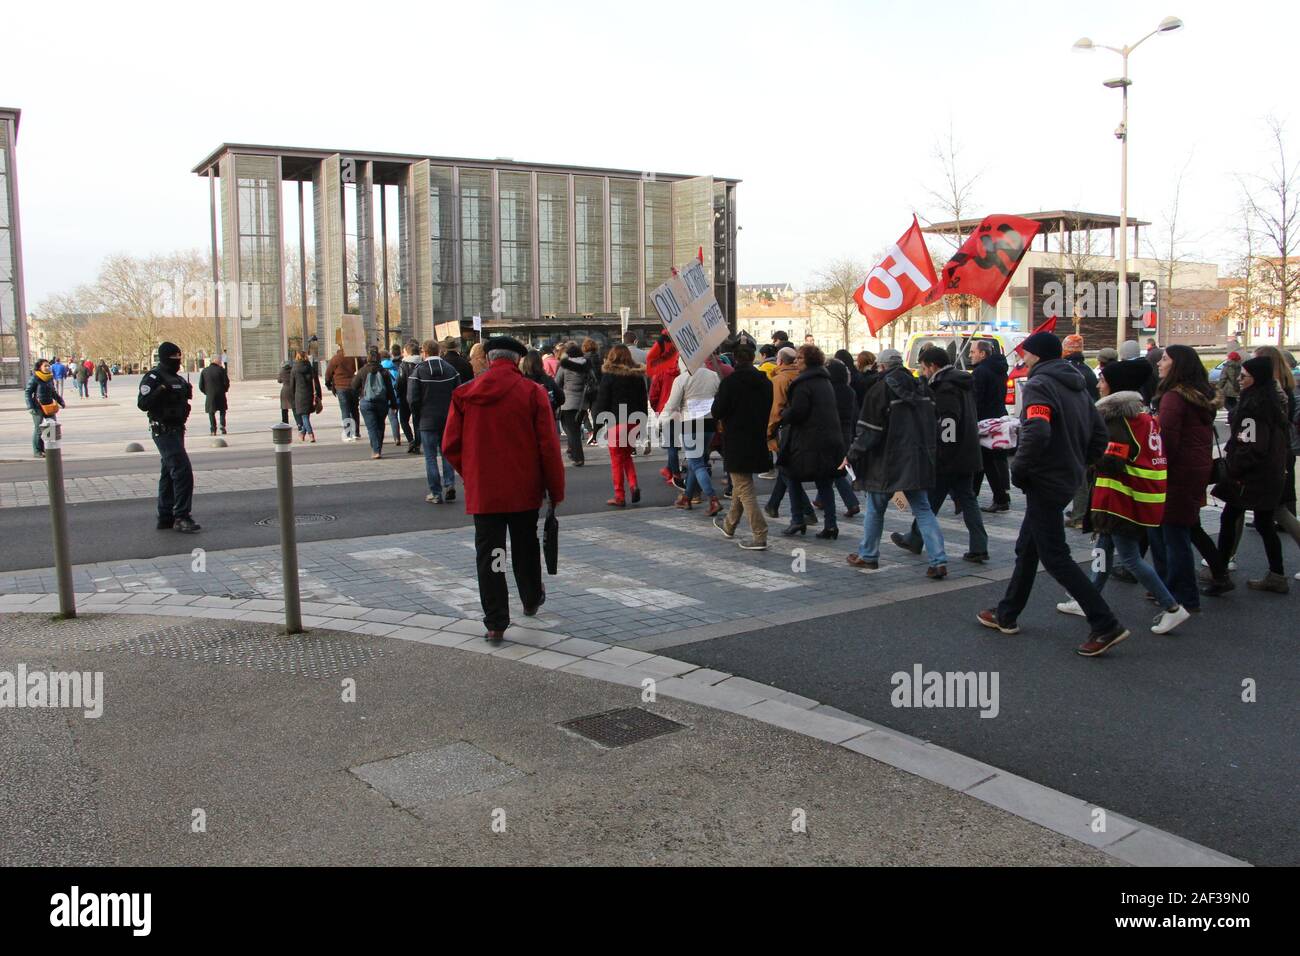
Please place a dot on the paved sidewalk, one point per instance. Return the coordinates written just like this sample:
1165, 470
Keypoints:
247, 733
679, 579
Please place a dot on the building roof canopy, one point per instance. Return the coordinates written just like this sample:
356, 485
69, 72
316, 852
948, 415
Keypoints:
1060, 220
298, 164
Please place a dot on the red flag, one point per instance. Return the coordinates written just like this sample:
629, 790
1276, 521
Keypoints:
987, 259
701, 255
1047, 326
883, 297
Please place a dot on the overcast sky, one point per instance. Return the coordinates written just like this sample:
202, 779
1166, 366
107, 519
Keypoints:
829, 112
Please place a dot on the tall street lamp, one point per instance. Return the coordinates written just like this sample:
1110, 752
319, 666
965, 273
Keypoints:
1122, 83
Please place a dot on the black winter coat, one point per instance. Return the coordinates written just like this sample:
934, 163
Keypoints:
622, 397
742, 405
958, 432
847, 402
214, 382
1061, 432
989, 383
894, 448
428, 393
1089, 376
812, 445
460, 364
1257, 469
305, 388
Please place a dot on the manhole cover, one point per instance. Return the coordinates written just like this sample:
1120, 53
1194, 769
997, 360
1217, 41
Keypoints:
274, 520
256, 648
618, 728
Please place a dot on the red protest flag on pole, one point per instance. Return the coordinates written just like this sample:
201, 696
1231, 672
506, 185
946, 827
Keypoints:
1048, 326
884, 296
988, 258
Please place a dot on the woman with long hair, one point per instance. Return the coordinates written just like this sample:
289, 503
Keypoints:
1186, 404
621, 406
1256, 458
1286, 517
374, 389
532, 369
306, 394
591, 352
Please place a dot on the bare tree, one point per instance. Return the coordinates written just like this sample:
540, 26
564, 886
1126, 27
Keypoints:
1245, 302
955, 200
1274, 207
1172, 250
1080, 258
833, 286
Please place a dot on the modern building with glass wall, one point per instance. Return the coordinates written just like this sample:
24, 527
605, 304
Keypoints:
14, 356
536, 250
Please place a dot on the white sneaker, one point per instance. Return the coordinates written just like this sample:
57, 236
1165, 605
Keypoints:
1232, 564
1297, 575
1071, 607
768, 476
1166, 621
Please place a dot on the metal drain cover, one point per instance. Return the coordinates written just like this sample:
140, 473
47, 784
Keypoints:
256, 648
274, 520
618, 728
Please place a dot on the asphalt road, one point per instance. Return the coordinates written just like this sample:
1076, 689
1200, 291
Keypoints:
1157, 729
111, 530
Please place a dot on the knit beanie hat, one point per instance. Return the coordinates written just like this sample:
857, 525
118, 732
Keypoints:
1260, 368
1073, 343
1043, 344
1127, 376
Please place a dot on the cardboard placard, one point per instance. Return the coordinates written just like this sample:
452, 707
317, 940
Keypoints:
352, 334
691, 314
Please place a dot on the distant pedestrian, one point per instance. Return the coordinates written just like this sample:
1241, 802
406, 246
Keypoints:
43, 402
373, 386
989, 384
409, 360
214, 383
60, 372
1061, 433
786, 373
501, 438
811, 446
690, 407
339, 373
478, 361
390, 362
572, 379
285, 378
638, 354
428, 392
451, 354
1230, 381
83, 380
103, 376
621, 408
550, 361
661, 368
741, 407
533, 369
307, 396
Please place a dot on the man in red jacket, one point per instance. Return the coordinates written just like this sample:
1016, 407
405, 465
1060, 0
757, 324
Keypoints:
500, 436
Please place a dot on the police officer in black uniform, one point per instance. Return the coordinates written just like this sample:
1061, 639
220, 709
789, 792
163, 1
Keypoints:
165, 397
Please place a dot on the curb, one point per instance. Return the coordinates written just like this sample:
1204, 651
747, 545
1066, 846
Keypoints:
1125, 839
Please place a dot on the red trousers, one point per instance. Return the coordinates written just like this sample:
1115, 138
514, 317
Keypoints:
620, 461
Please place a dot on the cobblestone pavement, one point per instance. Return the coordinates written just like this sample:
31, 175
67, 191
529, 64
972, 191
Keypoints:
648, 579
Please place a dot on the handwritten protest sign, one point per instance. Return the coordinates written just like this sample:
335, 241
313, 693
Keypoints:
691, 315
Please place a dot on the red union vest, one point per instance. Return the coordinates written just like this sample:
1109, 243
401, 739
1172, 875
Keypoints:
1137, 495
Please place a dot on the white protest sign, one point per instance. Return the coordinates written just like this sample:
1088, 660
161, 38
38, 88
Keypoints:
478, 323
691, 315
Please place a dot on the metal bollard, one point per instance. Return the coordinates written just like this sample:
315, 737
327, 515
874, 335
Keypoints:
282, 439
52, 436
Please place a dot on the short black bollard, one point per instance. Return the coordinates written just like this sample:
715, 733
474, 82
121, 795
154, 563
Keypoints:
282, 439
52, 437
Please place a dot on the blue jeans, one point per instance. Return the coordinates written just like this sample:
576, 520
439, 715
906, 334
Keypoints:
1171, 555
1130, 556
374, 414
845, 488
962, 489
697, 464
431, 443
304, 422
348, 412
800, 505
393, 423
873, 524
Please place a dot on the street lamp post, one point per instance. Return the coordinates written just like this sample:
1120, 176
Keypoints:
1122, 83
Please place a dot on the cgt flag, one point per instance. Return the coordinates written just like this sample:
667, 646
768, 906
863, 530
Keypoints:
883, 297
985, 262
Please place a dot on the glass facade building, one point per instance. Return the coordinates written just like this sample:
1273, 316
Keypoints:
15, 359
537, 251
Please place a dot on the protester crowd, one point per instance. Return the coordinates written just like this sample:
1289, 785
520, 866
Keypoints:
1130, 449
